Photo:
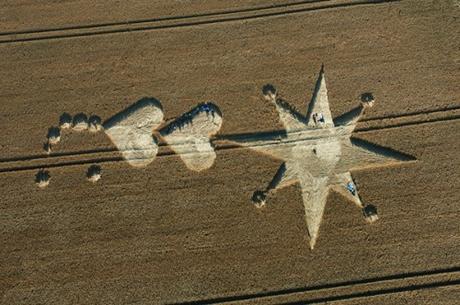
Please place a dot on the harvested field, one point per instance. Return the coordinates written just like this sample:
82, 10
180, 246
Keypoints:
134, 138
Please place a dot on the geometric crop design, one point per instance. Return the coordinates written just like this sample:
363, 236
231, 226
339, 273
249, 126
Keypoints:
189, 135
318, 154
137, 130
316, 151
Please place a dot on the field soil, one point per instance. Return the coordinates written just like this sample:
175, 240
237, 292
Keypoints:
164, 234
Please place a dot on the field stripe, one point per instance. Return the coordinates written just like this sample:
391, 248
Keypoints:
177, 17
104, 155
413, 113
380, 292
408, 119
183, 21
363, 288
